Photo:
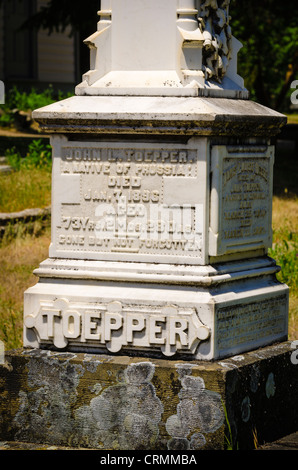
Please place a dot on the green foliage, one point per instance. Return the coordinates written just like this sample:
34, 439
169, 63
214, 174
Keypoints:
285, 252
228, 433
30, 182
57, 15
268, 61
8, 324
17, 100
39, 155
29, 101
6, 119
268, 30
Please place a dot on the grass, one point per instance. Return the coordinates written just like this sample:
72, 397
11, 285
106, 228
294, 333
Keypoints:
292, 118
29, 185
31, 189
285, 251
18, 259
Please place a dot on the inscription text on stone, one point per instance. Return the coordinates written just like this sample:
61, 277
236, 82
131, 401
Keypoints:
131, 200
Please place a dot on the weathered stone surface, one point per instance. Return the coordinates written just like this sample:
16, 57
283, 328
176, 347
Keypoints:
25, 215
149, 186
5, 169
174, 48
286, 443
142, 115
121, 403
206, 314
179, 229
24, 446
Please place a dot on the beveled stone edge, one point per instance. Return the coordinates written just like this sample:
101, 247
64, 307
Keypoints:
204, 276
160, 116
248, 358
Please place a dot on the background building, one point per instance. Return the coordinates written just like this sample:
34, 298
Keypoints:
35, 58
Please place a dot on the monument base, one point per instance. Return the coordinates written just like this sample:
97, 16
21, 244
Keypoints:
139, 309
122, 403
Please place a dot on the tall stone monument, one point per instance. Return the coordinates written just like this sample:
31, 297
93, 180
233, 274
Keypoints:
162, 195
161, 224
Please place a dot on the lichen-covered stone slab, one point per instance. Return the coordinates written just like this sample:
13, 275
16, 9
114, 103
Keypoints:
122, 403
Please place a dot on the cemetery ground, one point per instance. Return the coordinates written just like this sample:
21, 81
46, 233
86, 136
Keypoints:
23, 246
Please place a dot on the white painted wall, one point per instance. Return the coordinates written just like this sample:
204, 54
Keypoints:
1, 44
55, 55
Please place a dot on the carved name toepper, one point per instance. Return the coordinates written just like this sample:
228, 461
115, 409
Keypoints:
115, 326
164, 311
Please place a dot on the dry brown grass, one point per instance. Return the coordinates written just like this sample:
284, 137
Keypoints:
292, 118
285, 234
26, 189
285, 213
18, 259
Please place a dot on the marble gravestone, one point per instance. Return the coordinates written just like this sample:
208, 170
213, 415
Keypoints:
161, 195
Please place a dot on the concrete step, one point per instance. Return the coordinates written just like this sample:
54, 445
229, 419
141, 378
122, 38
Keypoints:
93, 384
15, 445
18, 140
5, 169
286, 443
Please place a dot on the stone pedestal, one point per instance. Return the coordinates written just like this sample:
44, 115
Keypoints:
121, 403
161, 225
161, 222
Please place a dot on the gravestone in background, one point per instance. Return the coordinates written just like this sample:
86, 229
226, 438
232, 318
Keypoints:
161, 224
